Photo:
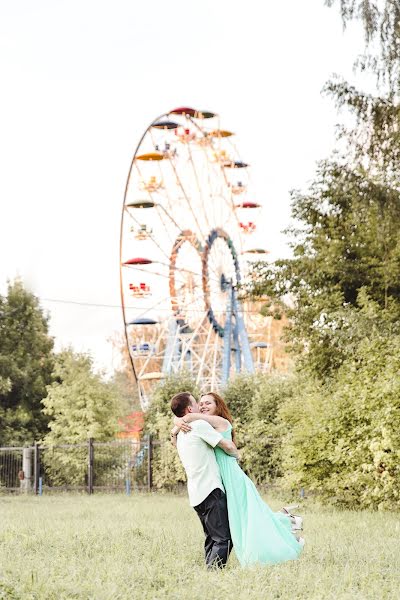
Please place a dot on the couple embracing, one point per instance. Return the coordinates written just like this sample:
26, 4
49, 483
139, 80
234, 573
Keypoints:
230, 509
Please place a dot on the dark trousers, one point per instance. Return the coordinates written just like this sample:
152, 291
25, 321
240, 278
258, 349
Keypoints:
213, 514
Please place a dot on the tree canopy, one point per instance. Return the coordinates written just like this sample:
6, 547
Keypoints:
79, 402
26, 365
381, 23
346, 253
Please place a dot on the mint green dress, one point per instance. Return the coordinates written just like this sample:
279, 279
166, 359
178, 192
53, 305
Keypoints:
258, 534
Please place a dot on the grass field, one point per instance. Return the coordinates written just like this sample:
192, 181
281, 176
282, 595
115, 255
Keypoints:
150, 547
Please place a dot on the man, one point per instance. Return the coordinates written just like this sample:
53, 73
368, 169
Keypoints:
205, 489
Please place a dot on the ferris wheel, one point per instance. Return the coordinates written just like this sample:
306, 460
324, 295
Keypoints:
186, 238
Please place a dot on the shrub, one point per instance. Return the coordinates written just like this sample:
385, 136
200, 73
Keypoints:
260, 437
344, 441
167, 468
239, 395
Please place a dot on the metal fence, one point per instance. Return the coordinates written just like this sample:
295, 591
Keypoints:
117, 466
11, 469
120, 465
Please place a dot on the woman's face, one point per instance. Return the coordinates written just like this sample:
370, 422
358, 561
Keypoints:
207, 405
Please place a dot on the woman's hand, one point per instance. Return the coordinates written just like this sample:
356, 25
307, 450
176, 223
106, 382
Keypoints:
182, 424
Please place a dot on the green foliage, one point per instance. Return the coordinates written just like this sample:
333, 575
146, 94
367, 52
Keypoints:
380, 21
239, 395
253, 401
346, 245
375, 138
167, 467
26, 365
339, 427
337, 437
259, 439
168, 470
160, 402
81, 405
343, 438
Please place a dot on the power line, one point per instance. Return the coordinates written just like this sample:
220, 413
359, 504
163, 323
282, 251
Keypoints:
79, 303
139, 308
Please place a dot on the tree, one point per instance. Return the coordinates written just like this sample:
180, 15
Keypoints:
380, 20
342, 440
345, 244
337, 425
79, 402
260, 436
239, 395
81, 405
375, 139
26, 365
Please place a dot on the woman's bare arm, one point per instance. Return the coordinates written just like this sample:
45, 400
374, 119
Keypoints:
229, 448
219, 423
174, 433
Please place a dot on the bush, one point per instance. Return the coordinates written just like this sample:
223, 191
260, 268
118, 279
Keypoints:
160, 402
254, 401
344, 441
260, 438
167, 468
239, 395
338, 438
81, 405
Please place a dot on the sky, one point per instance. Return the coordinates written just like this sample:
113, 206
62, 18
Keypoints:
82, 80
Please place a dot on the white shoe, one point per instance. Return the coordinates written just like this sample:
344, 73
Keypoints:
288, 509
297, 523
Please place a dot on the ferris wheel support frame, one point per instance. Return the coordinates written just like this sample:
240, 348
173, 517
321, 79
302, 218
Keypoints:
240, 338
171, 350
242, 335
238, 355
226, 358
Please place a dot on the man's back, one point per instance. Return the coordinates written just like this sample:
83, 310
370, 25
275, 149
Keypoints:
196, 452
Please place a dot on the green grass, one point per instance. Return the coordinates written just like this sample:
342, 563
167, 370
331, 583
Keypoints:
150, 547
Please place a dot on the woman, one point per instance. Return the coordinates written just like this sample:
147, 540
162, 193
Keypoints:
259, 535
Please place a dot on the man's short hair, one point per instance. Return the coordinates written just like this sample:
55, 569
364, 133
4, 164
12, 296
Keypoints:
180, 403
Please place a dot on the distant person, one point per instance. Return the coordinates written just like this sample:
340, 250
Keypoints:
259, 535
205, 489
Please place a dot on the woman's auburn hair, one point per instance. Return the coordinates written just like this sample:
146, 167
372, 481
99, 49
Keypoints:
221, 409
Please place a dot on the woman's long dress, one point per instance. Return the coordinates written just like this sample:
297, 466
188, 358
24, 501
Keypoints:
258, 534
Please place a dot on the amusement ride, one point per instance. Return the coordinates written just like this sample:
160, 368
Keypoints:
187, 227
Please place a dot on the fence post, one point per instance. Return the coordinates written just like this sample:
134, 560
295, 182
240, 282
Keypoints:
149, 463
26, 477
90, 465
36, 467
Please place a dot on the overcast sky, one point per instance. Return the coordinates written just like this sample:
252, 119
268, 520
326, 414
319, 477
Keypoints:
81, 81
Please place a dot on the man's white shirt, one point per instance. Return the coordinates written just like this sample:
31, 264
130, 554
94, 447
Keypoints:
196, 452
